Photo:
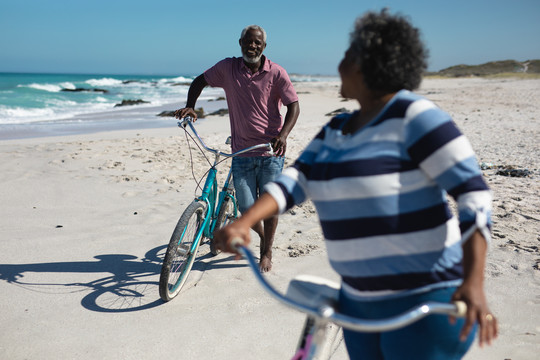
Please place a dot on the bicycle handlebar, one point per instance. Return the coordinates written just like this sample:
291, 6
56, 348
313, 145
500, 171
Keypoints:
188, 120
324, 307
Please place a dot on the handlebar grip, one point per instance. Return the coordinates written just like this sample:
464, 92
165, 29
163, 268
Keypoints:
237, 242
461, 308
184, 122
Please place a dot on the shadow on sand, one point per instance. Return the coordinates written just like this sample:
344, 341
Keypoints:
131, 286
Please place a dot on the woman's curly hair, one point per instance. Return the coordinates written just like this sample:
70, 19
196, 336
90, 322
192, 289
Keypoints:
389, 51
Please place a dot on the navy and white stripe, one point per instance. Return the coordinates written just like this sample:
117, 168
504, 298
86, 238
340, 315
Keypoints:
380, 194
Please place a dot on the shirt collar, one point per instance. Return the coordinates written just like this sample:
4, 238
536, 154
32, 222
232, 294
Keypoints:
265, 68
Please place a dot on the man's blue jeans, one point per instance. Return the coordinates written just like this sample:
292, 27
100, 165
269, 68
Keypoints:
250, 174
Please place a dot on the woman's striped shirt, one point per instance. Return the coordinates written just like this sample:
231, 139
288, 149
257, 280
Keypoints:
380, 194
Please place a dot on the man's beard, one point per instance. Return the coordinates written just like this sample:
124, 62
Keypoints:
252, 60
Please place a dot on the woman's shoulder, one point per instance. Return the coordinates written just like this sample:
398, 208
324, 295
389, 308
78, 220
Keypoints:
339, 120
408, 106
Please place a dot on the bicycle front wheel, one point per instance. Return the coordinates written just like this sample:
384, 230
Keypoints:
181, 251
226, 215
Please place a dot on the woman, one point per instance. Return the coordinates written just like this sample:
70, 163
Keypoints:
379, 178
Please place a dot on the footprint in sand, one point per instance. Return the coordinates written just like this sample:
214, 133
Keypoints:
297, 250
129, 194
125, 178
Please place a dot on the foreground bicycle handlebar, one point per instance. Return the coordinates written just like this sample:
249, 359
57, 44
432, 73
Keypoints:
188, 121
317, 298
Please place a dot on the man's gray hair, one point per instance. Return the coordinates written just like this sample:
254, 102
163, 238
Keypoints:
253, 27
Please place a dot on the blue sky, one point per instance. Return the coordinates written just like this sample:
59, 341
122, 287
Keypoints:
166, 37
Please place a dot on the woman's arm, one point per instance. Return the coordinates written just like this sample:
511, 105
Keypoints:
446, 156
472, 291
263, 208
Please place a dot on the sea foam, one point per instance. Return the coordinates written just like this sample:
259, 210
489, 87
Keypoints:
20, 115
104, 82
44, 87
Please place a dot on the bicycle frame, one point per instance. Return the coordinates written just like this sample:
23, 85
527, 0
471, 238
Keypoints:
214, 200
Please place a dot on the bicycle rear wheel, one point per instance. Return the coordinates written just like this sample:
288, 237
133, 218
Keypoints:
226, 215
180, 252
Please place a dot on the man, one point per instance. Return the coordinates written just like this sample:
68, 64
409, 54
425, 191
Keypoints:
255, 89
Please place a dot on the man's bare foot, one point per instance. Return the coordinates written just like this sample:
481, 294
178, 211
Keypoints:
265, 265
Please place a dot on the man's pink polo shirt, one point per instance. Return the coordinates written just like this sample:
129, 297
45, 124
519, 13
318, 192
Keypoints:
254, 100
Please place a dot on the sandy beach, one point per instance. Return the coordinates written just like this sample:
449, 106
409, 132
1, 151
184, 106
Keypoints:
85, 220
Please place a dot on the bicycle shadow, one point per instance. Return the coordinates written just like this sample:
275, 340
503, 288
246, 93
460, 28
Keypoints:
210, 262
129, 287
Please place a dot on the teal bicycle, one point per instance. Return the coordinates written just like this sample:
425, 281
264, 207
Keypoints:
207, 213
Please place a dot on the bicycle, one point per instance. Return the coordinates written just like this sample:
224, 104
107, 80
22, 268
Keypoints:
207, 213
317, 298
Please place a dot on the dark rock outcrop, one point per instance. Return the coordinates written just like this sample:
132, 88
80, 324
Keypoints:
86, 90
166, 113
131, 102
170, 113
220, 112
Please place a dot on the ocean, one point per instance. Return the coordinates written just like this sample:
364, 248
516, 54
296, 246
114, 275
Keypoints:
57, 104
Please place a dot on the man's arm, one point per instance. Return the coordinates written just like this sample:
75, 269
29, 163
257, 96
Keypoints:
194, 92
279, 143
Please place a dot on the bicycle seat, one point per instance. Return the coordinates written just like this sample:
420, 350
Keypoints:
313, 291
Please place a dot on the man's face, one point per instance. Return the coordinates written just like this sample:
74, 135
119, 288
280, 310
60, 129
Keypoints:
252, 46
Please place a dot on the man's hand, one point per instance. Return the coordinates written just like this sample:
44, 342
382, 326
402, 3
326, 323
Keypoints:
187, 111
279, 145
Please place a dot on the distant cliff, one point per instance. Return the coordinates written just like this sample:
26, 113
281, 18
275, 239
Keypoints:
491, 68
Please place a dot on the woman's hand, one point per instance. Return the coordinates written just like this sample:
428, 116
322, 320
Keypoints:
477, 311
223, 238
